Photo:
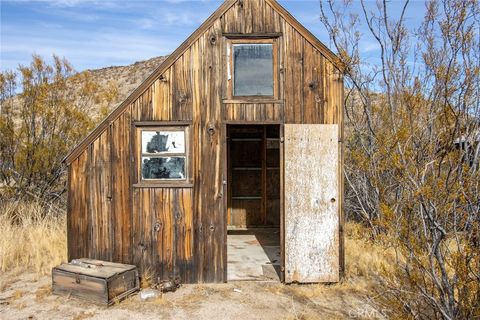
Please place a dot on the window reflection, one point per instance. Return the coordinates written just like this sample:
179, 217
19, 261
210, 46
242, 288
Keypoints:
163, 167
253, 69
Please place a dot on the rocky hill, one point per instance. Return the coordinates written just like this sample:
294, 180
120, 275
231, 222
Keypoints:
127, 78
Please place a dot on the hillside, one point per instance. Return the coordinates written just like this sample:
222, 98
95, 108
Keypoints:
127, 78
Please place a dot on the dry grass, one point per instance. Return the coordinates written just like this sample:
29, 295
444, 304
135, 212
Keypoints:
365, 261
363, 257
353, 295
32, 238
43, 292
18, 294
147, 278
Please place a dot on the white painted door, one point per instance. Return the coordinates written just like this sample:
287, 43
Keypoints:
311, 214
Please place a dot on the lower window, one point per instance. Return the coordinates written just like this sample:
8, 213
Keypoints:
163, 154
163, 168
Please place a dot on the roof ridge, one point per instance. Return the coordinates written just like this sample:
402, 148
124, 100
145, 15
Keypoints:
170, 60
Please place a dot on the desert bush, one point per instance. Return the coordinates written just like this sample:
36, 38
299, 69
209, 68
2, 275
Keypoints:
44, 111
33, 238
412, 149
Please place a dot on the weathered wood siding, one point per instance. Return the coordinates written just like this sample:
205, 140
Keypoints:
111, 217
163, 232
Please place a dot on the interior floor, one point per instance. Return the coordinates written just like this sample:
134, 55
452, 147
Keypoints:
253, 238
253, 254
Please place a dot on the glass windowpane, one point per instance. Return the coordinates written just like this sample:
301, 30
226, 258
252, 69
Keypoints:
163, 142
163, 168
253, 69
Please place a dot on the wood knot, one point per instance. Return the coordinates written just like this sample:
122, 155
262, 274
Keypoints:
212, 227
211, 129
178, 216
213, 39
240, 3
162, 78
183, 98
313, 85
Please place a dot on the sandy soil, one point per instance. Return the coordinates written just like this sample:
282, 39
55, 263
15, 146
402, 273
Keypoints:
28, 296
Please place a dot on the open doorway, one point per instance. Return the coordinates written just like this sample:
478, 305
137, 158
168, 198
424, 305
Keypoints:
253, 215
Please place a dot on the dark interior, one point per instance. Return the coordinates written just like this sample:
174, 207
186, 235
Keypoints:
254, 176
254, 202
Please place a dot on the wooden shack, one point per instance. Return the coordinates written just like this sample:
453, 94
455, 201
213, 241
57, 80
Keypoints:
239, 129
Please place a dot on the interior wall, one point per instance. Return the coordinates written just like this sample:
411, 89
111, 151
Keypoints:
254, 176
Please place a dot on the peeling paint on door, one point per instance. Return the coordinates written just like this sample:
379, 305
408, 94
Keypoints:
311, 203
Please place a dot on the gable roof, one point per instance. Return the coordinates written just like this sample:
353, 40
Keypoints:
95, 133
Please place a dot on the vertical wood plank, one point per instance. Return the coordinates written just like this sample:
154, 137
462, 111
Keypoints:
137, 230
210, 137
121, 184
181, 89
258, 16
183, 231
197, 138
313, 85
169, 234
146, 226
77, 218
293, 55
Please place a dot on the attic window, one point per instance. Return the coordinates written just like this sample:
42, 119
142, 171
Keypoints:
253, 68
163, 153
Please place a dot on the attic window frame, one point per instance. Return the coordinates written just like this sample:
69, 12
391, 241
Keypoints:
140, 127
230, 76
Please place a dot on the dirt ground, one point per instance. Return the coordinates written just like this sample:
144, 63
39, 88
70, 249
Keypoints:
28, 296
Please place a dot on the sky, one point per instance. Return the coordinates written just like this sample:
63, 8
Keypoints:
94, 33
